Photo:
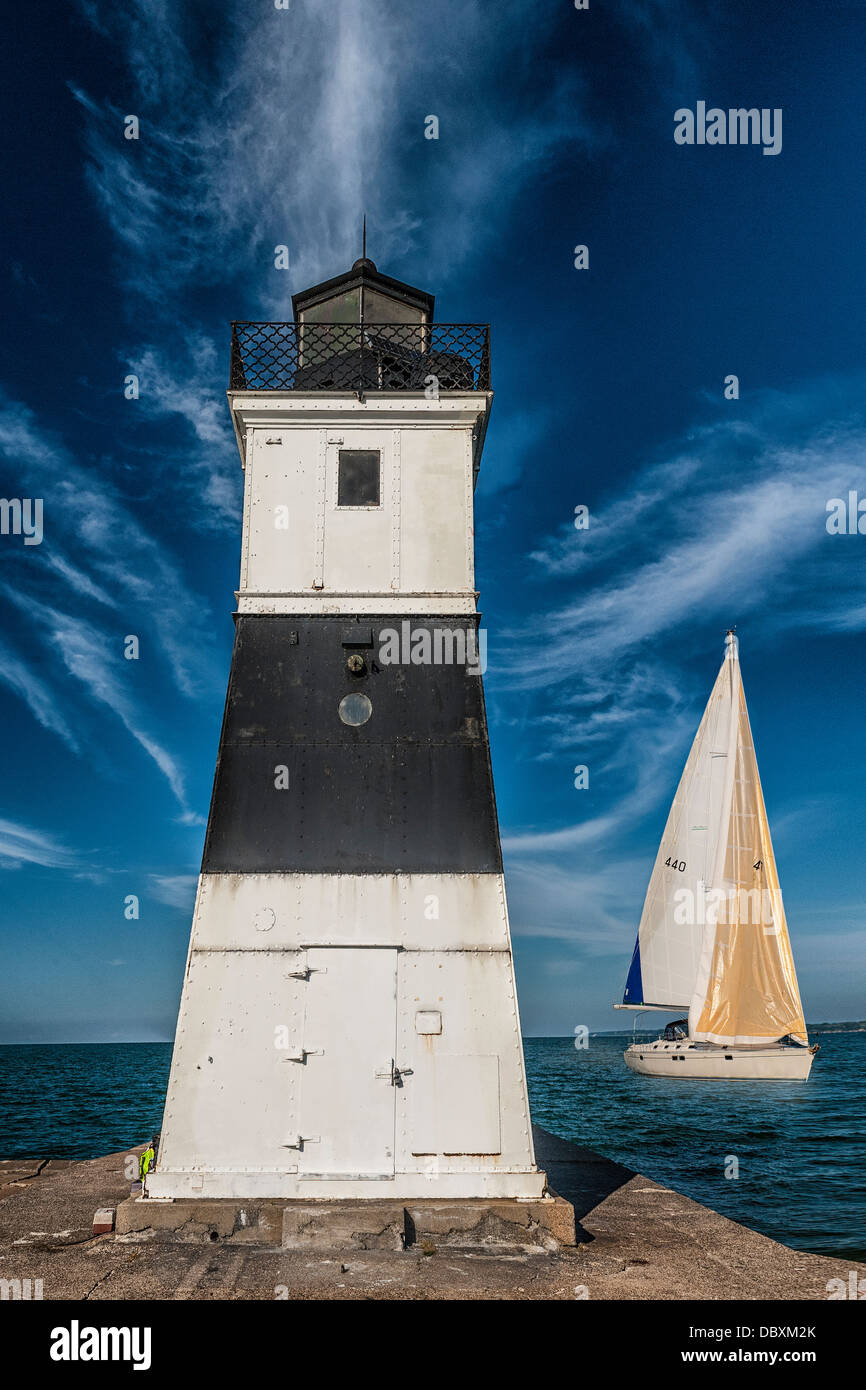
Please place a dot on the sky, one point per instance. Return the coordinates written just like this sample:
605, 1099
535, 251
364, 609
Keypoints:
260, 127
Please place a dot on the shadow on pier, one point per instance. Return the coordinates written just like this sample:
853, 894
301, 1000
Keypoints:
582, 1177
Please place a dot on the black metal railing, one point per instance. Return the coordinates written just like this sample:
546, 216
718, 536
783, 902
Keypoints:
360, 357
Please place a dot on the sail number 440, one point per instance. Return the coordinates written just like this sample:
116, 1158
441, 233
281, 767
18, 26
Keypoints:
676, 864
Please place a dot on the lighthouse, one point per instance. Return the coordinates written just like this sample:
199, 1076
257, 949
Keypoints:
348, 1025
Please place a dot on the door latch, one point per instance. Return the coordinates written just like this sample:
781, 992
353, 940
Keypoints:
303, 1053
394, 1074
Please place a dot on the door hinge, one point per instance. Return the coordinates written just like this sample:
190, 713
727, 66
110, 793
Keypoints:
297, 1141
304, 971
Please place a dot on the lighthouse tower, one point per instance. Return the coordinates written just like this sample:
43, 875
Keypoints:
348, 1026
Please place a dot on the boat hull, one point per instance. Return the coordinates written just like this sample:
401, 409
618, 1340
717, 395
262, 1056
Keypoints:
776, 1062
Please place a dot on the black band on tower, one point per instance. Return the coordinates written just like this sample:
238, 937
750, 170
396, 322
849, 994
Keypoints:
297, 789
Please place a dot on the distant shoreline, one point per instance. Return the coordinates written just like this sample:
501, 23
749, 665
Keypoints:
849, 1026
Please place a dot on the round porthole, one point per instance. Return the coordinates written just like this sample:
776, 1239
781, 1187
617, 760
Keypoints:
355, 709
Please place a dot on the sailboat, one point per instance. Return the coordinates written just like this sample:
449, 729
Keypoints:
713, 939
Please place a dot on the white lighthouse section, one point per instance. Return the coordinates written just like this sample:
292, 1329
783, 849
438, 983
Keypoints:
412, 553
348, 1025
304, 993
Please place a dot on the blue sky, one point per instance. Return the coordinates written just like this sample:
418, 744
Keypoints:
261, 127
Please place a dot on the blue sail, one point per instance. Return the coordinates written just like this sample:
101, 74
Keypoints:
634, 983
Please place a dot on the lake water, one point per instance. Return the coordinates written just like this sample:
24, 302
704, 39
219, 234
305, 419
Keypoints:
800, 1147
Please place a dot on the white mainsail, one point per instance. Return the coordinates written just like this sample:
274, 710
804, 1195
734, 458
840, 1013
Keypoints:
713, 937
670, 935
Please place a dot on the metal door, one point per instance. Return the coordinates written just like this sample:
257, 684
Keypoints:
348, 1079
357, 536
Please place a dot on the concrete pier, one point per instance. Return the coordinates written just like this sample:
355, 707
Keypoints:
635, 1240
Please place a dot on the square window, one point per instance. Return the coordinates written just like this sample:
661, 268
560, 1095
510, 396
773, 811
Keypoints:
358, 478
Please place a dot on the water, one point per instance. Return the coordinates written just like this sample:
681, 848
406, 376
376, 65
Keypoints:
80, 1100
800, 1146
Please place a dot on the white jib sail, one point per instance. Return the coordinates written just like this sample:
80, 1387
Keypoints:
745, 985
671, 932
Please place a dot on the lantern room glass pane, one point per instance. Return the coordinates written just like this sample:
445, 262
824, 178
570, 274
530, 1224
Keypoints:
381, 308
340, 308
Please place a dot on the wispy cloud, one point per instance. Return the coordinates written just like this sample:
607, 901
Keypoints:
37, 695
298, 121
76, 579
593, 906
88, 656
683, 541
631, 763
115, 559
175, 890
186, 382
20, 845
